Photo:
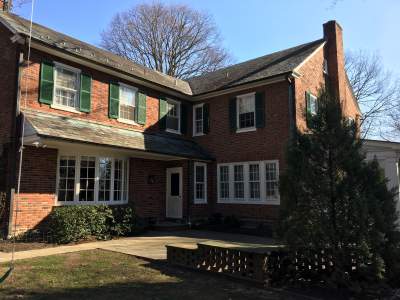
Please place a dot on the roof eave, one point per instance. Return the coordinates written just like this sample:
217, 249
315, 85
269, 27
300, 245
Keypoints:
39, 45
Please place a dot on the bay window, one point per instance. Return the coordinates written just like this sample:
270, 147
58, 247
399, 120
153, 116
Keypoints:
249, 182
92, 179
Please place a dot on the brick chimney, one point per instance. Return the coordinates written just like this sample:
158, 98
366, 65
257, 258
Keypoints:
334, 54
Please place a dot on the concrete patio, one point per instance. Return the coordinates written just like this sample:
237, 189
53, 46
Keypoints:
150, 245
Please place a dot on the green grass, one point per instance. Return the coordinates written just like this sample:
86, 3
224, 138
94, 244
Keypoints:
101, 274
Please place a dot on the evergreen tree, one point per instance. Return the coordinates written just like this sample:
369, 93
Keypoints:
333, 199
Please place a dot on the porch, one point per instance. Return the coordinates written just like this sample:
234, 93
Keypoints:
72, 161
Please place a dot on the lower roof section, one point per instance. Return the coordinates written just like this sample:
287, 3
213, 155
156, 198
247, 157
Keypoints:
56, 127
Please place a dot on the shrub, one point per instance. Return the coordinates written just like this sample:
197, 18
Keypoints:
74, 223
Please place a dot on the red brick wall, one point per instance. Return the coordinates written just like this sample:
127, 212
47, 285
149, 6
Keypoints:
99, 100
38, 186
266, 143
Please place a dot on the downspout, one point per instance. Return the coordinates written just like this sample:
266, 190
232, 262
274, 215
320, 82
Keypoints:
189, 192
16, 132
292, 107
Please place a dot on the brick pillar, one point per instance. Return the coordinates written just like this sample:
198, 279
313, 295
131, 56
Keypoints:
334, 54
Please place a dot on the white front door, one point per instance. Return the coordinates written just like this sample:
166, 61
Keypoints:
174, 193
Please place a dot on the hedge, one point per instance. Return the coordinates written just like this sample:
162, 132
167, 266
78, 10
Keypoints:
74, 223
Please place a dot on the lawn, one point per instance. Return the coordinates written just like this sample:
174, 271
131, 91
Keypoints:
101, 274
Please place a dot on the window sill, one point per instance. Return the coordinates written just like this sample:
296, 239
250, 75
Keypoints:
65, 108
125, 121
260, 202
173, 131
198, 134
248, 129
198, 201
71, 203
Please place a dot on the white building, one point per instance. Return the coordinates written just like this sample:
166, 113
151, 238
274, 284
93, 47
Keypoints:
388, 156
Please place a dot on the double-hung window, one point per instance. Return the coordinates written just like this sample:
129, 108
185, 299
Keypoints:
249, 182
66, 87
312, 104
198, 119
127, 102
173, 118
92, 179
200, 183
246, 112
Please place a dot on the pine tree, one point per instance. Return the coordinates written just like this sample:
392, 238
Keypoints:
333, 199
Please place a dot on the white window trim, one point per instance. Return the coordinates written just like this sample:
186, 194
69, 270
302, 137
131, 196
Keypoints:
245, 129
197, 200
178, 116
122, 120
194, 119
247, 200
314, 98
76, 201
78, 90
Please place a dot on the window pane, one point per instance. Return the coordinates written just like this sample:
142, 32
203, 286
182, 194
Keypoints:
175, 190
118, 165
246, 111
200, 174
66, 87
198, 120
238, 184
87, 178
127, 95
271, 178
254, 181
66, 180
127, 112
224, 181
104, 179
173, 117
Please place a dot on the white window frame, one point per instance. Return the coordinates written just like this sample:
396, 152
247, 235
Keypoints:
178, 113
262, 179
314, 99
201, 105
78, 90
77, 156
135, 89
245, 129
198, 200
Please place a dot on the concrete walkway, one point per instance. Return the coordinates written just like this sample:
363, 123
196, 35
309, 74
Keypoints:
150, 245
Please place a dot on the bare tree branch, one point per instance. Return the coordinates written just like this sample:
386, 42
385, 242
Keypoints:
375, 89
173, 39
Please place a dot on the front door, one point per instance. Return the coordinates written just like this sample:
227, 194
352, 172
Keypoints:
174, 193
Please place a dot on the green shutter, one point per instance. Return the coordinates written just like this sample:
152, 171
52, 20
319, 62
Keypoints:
308, 109
183, 118
85, 95
206, 118
141, 109
162, 114
113, 103
46, 83
232, 114
260, 110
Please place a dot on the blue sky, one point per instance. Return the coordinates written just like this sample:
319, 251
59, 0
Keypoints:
249, 28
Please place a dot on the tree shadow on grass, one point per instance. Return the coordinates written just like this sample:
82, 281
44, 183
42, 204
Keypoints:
177, 283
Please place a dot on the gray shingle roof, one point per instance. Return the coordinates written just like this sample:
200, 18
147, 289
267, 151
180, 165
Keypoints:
270, 65
84, 50
253, 70
70, 129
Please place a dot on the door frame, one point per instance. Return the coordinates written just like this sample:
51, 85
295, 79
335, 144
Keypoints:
169, 171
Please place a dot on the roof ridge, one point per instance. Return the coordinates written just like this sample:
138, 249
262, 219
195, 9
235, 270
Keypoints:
302, 46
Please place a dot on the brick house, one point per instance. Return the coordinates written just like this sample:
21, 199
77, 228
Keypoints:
100, 129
